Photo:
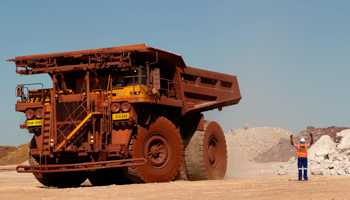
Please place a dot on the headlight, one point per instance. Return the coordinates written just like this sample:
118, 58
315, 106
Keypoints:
39, 113
125, 106
30, 114
115, 107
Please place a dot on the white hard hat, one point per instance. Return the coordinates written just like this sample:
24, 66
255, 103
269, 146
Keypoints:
302, 140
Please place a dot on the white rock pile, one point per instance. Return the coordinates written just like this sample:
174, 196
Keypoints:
247, 143
325, 157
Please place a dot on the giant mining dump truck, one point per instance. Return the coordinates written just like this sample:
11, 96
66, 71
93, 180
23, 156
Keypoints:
127, 114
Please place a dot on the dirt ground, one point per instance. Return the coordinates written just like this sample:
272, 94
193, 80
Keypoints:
20, 186
244, 180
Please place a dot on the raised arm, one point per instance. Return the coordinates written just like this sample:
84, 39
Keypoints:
312, 139
291, 140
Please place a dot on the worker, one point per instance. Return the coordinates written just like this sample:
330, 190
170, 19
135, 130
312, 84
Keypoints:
302, 155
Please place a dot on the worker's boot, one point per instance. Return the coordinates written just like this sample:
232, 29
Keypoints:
305, 175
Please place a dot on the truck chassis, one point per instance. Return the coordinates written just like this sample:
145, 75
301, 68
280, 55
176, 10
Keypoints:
134, 112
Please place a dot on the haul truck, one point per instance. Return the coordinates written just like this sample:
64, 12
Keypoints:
121, 115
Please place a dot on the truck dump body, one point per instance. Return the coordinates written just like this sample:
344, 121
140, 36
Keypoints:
129, 109
205, 90
199, 90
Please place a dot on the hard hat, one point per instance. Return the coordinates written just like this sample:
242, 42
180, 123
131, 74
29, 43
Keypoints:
302, 140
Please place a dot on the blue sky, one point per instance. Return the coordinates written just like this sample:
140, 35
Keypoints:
291, 57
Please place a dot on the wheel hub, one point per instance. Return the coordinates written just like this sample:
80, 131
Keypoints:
156, 150
213, 152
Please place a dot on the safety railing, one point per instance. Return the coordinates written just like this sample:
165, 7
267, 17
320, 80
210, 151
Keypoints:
119, 83
169, 93
65, 127
23, 92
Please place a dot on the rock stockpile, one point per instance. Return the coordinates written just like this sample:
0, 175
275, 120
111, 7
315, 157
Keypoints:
319, 132
18, 156
325, 157
247, 143
283, 151
4, 150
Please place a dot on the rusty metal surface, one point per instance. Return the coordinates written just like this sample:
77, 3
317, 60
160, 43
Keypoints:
91, 59
203, 90
56, 168
198, 90
94, 120
161, 145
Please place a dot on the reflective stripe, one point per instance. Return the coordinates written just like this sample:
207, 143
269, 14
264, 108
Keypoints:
302, 168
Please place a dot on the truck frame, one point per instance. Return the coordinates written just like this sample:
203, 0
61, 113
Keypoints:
122, 114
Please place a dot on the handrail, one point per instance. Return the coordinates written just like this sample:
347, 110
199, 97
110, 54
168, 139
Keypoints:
77, 128
23, 95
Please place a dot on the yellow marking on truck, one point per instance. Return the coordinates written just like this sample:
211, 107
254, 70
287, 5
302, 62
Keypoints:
130, 90
36, 122
77, 128
120, 116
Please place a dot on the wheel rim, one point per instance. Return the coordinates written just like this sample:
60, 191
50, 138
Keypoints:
160, 144
156, 151
213, 152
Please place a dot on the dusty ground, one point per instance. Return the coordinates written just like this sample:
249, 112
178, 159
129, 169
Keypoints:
24, 186
240, 182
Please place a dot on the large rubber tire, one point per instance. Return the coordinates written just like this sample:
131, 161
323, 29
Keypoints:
182, 175
108, 177
63, 179
206, 154
161, 145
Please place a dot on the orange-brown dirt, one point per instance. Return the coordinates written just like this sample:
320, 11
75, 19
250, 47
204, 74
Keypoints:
240, 182
18, 156
18, 186
4, 150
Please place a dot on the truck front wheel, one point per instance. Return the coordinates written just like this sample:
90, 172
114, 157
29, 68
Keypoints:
62, 179
161, 145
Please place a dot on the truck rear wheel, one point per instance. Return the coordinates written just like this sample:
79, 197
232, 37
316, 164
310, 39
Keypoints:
206, 154
161, 145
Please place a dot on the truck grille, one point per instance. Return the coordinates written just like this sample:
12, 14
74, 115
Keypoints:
69, 115
68, 108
